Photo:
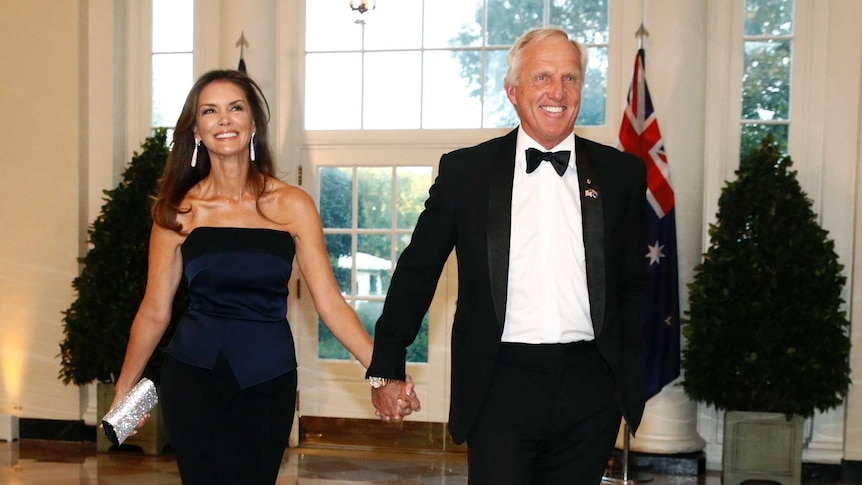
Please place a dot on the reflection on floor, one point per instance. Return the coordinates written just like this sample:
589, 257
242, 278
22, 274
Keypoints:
31, 462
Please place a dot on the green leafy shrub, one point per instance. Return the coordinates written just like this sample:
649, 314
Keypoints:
765, 330
112, 281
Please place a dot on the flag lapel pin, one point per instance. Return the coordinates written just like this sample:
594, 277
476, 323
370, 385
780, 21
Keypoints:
591, 192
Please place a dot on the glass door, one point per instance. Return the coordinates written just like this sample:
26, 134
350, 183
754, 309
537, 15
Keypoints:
369, 200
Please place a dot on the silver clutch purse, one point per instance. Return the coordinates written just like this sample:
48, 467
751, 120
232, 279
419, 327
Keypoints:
122, 419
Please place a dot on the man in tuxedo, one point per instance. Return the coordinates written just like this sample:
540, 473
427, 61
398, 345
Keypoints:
551, 285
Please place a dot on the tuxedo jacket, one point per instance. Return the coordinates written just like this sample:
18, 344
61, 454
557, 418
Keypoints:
469, 209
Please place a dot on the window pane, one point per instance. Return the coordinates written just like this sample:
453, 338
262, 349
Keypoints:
585, 20
753, 134
453, 23
328, 347
412, 185
450, 100
373, 267
324, 18
374, 197
365, 274
768, 17
369, 312
333, 91
497, 110
417, 352
401, 242
595, 91
173, 25
394, 25
172, 79
766, 81
392, 90
507, 20
338, 249
336, 197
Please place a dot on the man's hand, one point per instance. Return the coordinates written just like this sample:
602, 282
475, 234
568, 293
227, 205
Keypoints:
395, 400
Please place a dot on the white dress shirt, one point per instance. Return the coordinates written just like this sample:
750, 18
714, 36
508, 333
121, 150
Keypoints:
547, 298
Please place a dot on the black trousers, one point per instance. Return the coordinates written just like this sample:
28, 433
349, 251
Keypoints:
550, 418
220, 433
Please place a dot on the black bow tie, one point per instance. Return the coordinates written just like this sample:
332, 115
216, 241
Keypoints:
560, 160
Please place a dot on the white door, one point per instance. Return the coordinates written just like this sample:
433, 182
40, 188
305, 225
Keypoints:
369, 199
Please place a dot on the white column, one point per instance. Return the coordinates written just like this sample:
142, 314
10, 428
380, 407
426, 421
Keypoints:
824, 437
676, 76
219, 26
89, 409
256, 21
669, 425
9, 427
844, 50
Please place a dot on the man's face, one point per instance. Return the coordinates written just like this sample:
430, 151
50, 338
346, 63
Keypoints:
547, 96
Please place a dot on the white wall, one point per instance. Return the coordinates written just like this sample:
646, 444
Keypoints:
42, 193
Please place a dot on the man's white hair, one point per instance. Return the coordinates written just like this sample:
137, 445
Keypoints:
514, 60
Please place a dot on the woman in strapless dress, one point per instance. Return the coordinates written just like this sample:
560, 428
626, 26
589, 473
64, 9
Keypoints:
226, 223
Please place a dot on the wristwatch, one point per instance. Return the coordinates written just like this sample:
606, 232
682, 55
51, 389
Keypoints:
378, 382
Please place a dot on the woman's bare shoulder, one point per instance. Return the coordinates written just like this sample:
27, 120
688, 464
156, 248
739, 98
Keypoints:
286, 195
288, 204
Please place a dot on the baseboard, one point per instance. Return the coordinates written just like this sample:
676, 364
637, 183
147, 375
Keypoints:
369, 434
851, 472
674, 464
55, 429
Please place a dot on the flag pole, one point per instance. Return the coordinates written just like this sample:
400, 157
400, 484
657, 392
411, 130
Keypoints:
242, 44
625, 477
640, 34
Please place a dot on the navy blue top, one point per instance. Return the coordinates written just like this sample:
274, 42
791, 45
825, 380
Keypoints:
238, 290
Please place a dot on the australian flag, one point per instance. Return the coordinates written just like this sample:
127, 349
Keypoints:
640, 136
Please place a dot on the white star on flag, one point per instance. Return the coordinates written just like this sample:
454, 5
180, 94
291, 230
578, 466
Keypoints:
655, 253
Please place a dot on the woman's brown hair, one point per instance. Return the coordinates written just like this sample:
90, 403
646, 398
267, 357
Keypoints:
179, 176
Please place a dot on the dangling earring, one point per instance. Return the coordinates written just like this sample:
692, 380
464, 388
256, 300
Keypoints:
251, 147
195, 153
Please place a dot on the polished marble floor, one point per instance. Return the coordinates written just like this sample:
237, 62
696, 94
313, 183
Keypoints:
38, 462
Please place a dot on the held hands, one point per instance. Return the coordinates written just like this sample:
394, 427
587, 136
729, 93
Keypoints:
395, 400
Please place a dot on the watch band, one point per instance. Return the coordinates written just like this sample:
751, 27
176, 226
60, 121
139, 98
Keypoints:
378, 382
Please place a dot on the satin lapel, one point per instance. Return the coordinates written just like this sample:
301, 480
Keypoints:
502, 175
594, 234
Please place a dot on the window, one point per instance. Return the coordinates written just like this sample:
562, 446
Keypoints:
172, 59
766, 71
368, 215
435, 64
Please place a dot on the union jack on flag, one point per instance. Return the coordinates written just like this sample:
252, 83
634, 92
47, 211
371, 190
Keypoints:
640, 136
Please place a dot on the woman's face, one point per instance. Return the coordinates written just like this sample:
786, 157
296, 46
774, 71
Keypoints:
223, 120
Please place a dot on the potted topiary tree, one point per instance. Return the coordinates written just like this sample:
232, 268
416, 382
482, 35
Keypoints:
766, 335
110, 287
